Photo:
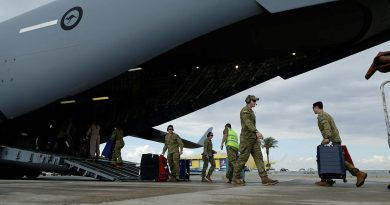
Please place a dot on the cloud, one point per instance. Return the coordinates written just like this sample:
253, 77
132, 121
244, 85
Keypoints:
374, 163
294, 163
134, 154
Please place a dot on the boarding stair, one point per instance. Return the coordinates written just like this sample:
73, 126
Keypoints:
23, 161
103, 170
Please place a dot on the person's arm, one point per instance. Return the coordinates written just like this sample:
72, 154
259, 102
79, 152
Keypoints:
165, 146
223, 140
206, 146
326, 131
181, 145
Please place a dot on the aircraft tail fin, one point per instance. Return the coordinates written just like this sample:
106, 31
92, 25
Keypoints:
201, 140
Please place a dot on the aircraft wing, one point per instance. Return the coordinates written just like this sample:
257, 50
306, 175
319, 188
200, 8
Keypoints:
159, 136
284, 5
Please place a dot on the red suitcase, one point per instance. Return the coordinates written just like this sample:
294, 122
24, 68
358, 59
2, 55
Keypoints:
347, 157
163, 171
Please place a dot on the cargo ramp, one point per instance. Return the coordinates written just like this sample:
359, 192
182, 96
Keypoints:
17, 163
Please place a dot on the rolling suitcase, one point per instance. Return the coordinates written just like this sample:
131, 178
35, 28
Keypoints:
107, 151
163, 171
331, 162
184, 170
149, 166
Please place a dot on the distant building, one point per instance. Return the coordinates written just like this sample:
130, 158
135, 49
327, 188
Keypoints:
220, 161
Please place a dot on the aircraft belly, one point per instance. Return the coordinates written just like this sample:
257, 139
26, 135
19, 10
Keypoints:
51, 64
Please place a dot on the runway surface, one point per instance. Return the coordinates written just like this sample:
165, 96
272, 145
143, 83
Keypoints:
292, 189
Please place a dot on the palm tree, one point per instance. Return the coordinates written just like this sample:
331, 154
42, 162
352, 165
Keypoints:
269, 142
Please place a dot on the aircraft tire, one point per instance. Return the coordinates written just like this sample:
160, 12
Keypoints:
33, 174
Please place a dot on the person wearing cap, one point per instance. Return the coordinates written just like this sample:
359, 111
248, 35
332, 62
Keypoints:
175, 148
230, 139
208, 156
330, 133
250, 143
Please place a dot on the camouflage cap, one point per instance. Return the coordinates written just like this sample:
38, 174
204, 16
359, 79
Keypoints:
250, 97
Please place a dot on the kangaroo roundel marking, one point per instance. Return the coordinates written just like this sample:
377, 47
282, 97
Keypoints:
71, 18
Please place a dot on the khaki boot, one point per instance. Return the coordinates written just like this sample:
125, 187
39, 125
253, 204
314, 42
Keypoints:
267, 181
209, 178
237, 181
172, 179
360, 178
322, 183
204, 180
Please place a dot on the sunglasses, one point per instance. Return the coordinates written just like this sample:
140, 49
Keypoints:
170, 129
211, 135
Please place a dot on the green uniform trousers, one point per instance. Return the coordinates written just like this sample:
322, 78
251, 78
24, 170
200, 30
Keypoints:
249, 145
116, 153
232, 154
173, 161
206, 164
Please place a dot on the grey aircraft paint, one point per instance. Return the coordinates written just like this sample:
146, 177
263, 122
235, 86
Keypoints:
40, 66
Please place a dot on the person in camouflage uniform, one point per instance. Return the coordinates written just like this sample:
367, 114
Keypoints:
175, 148
330, 133
117, 139
208, 156
230, 139
94, 140
250, 143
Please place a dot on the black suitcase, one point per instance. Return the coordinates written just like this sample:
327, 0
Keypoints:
149, 166
184, 170
331, 162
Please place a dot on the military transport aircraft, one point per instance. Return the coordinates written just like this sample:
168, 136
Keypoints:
141, 63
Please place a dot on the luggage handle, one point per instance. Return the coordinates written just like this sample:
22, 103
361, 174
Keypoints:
330, 144
327, 145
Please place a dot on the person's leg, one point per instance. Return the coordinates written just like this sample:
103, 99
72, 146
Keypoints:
114, 158
205, 165
97, 151
121, 145
176, 164
92, 146
171, 166
242, 159
360, 176
232, 154
212, 167
258, 158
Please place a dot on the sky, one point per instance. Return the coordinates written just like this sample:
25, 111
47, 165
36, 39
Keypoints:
285, 111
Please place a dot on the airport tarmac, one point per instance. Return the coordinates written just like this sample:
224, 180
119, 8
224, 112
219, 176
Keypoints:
292, 189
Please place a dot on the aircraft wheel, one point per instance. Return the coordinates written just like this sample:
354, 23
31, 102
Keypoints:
33, 174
